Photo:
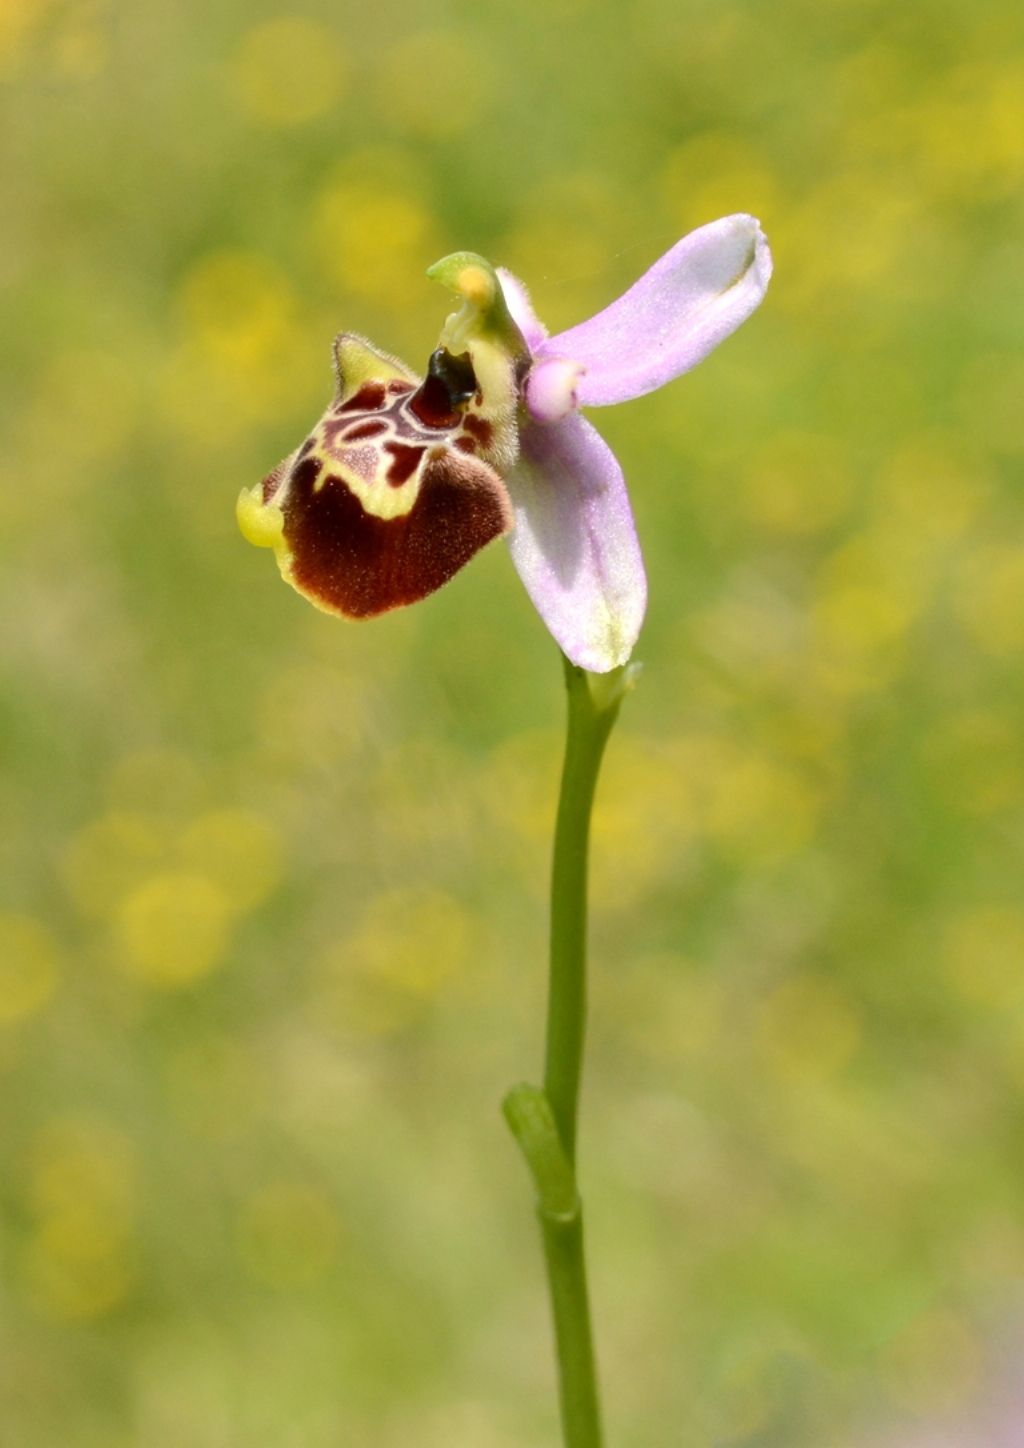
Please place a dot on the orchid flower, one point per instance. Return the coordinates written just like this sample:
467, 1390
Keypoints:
403, 480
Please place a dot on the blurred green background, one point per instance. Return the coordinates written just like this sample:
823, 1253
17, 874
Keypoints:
273, 913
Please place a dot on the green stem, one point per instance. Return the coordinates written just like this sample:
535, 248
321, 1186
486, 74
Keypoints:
570, 1307
544, 1122
589, 726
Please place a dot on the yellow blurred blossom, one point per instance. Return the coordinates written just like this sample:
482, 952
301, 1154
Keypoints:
409, 795
568, 229
18, 19
81, 46
29, 961
752, 635
458, 1420
319, 712
238, 307
170, 883
644, 821
415, 939
77, 1267
930, 488
371, 238
82, 1162
520, 787
100, 396
863, 608
434, 84
110, 857
977, 760
242, 351
288, 71
238, 850
288, 1234
212, 403
1001, 89
160, 781
408, 945
967, 135
798, 483
79, 1259
667, 1009
983, 948
759, 811
808, 1028
715, 174
873, 227
866, 619
989, 598
540, 236
173, 929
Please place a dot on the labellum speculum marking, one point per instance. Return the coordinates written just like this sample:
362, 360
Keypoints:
393, 490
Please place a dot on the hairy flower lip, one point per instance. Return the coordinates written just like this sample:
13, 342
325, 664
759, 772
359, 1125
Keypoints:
395, 488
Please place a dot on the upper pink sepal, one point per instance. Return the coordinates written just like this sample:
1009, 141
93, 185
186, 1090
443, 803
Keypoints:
668, 321
517, 299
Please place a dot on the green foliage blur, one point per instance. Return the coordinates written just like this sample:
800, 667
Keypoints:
272, 920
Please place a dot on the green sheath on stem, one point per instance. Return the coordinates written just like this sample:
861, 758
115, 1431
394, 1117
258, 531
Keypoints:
544, 1122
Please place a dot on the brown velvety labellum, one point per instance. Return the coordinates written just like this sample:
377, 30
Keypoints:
358, 565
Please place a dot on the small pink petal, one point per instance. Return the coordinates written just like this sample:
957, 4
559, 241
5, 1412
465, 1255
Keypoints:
551, 389
518, 301
574, 542
668, 321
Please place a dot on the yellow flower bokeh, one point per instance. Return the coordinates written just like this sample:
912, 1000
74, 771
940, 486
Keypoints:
80, 1259
168, 885
983, 949
173, 929
238, 307
369, 237
434, 84
809, 1029
29, 967
408, 945
288, 71
287, 1234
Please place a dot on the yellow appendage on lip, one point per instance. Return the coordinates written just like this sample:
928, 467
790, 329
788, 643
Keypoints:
262, 524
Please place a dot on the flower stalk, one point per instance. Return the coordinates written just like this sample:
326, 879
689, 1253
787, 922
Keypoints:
544, 1122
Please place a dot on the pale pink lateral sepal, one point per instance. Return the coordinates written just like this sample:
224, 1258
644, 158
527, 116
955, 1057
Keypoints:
574, 542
